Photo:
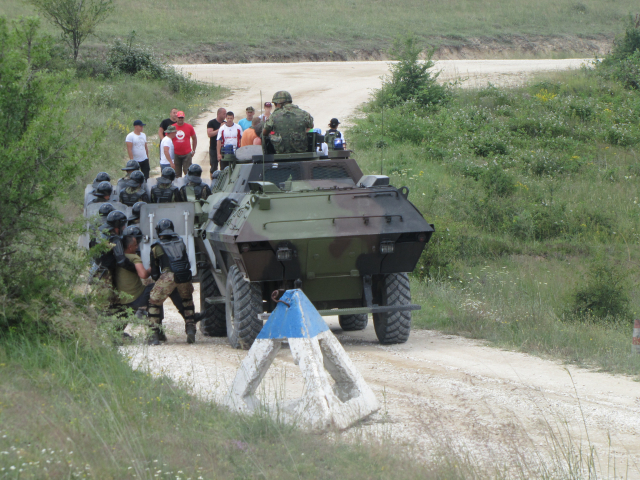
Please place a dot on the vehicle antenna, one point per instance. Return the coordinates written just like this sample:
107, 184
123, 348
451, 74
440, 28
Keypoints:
264, 152
382, 141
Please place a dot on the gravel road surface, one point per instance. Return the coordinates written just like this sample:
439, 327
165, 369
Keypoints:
437, 391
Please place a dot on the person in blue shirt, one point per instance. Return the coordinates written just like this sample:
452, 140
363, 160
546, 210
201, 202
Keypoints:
246, 122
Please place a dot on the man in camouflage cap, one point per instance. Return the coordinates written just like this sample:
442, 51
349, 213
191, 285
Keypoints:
286, 129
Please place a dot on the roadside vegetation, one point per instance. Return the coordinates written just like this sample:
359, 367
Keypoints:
73, 410
295, 30
534, 195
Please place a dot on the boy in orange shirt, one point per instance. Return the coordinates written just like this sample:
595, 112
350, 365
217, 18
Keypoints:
251, 133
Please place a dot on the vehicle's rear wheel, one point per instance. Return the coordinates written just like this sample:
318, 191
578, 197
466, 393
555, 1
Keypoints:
394, 327
213, 321
350, 323
243, 304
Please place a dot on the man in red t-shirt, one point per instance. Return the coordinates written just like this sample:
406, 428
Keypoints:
184, 145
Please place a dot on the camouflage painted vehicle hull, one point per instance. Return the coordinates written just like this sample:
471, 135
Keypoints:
345, 239
277, 222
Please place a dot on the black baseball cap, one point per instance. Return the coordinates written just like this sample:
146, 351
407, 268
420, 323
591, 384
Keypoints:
138, 122
334, 121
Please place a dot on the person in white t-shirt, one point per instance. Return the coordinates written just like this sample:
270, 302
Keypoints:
137, 149
267, 112
166, 148
229, 135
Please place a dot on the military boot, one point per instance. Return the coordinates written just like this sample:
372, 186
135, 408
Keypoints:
190, 328
161, 335
154, 338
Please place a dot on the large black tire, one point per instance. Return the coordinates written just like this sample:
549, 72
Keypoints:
243, 304
213, 321
394, 327
350, 323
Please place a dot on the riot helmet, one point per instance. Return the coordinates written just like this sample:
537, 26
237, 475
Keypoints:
216, 174
101, 177
131, 165
194, 173
133, 231
105, 209
136, 179
165, 228
168, 176
103, 189
135, 210
117, 219
282, 97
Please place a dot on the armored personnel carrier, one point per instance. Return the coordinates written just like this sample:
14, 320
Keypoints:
275, 222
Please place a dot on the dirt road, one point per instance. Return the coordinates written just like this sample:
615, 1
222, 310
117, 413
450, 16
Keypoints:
336, 89
437, 391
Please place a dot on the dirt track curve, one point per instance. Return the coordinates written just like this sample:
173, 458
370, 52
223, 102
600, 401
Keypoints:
436, 390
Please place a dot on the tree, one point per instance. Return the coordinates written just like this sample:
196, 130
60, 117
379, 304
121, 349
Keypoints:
76, 18
39, 163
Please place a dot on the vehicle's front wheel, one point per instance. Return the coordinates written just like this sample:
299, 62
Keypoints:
394, 327
350, 323
243, 304
213, 321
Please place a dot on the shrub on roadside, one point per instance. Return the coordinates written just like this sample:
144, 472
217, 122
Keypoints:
410, 79
131, 59
605, 294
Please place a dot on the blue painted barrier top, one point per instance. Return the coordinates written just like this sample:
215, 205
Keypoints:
299, 320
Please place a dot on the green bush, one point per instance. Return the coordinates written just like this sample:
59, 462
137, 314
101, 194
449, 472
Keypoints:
410, 80
605, 294
497, 182
131, 59
39, 163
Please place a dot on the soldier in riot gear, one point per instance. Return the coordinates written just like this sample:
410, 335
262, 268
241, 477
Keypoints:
106, 263
129, 168
165, 191
135, 192
102, 193
171, 270
195, 188
134, 219
96, 233
101, 177
286, 129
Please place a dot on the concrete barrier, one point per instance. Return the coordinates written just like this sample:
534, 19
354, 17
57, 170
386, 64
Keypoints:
319, 355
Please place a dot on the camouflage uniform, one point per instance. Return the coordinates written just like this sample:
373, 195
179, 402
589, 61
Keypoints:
287, 129
163, 288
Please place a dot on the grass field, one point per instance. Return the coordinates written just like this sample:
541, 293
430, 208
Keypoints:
74, 411
244, 30
534, 195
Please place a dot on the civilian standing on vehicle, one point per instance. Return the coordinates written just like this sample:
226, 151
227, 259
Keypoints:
167, 154
229, 135
212, 132
246, 122
184, 145
267, 112
137, 149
